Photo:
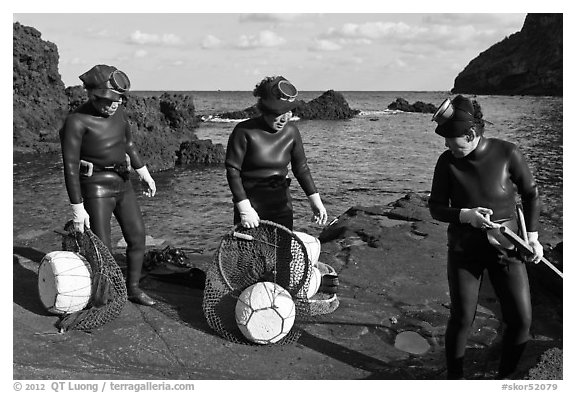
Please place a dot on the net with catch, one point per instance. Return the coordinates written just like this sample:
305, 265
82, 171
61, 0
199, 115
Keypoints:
108, 285
270, 252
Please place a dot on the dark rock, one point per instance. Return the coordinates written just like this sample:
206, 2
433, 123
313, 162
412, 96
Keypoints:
39, 101
526, 63
331, 105
411, 207
200, 152
402, 105
178, 110
237, 115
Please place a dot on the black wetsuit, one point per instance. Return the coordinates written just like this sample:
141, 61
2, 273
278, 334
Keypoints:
257, 159
488, 177
105, 141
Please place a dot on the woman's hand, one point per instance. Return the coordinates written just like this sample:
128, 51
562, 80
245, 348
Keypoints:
537, 249
320, 216
479, 217
248, 216
80, 217
145, 177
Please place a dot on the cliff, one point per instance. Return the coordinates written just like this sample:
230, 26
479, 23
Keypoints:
38, 98
526, 63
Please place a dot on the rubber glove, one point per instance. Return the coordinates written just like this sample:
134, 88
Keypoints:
248, 216
145, 176
320, 216
479, 217
537, 249
80, 217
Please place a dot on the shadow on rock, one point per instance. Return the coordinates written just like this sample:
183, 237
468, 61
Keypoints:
25, 281
180, 303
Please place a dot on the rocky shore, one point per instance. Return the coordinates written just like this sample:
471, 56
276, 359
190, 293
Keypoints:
390, 261
390, 322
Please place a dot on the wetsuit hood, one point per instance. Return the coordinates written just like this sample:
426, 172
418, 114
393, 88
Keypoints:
106, 81
279, 96
460, 119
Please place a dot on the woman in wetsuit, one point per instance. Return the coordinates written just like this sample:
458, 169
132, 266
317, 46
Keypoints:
474, 190
96, 143
257, 157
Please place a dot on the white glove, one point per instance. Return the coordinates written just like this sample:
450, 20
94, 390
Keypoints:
248, 216
145, 176
80, 217
320, 216
537, 249
479, 217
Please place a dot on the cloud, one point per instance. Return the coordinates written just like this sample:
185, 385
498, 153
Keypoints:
140, 38
372, 30
140, 53
324, 46
495, 21
211, 42
264, 39
446, 32
264, 17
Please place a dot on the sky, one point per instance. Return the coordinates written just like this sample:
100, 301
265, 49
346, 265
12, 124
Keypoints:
233, 51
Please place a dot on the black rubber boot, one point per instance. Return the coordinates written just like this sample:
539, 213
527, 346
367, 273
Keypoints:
455, 368
136, 295
511, 355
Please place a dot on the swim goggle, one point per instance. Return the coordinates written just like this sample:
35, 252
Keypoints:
119, 81
285, 91
446, 112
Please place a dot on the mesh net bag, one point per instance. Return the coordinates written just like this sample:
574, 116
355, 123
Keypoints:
108, 286
270, 252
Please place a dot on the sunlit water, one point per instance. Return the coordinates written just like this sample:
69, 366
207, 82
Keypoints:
371, 159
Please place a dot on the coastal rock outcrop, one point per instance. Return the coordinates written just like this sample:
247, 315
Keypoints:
39, 102
201, 151
403, 105
331, 105
526, 63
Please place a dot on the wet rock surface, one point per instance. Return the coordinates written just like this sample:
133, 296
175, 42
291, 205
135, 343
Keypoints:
390, 324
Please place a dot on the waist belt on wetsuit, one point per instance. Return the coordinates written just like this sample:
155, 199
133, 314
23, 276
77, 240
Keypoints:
122, 169
267, 182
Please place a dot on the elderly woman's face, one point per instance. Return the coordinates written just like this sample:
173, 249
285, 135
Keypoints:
105, 106
461, 146
277, 122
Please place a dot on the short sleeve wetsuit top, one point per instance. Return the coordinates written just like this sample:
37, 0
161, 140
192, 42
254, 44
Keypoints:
487, 177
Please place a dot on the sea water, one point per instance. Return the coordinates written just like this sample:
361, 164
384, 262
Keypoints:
371, 159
